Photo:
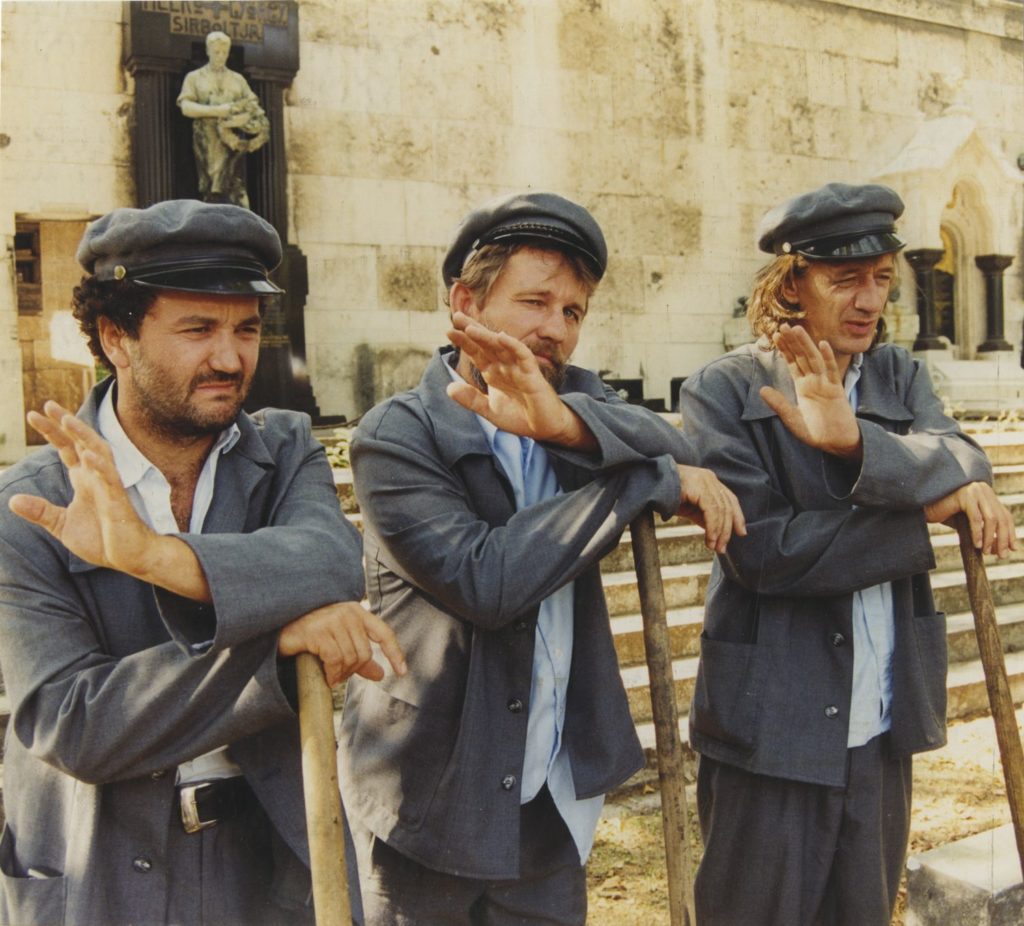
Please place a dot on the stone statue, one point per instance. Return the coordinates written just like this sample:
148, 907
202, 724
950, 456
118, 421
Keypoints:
227, 123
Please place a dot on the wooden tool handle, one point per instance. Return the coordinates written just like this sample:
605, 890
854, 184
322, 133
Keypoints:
323, 800
999, 696
666, 721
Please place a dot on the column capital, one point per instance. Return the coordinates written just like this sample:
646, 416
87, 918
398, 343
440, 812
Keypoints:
923, 258
993, 263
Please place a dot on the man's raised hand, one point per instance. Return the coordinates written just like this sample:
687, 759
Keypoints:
100, 525
823, 417
519, 399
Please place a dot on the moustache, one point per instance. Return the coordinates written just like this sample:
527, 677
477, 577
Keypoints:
216, 379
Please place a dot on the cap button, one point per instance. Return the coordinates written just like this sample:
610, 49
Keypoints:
119, 272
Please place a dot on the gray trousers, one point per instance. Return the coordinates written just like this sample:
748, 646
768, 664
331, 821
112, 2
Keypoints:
786, 853
237, 873
398, 891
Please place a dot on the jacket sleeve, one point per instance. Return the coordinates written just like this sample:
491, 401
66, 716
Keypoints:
805, 552
306, 555
915, 469
102, 716
625, 433
419, 511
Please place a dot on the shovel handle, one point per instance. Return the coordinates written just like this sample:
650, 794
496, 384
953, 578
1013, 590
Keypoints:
666, 720
320, 789
1000, 697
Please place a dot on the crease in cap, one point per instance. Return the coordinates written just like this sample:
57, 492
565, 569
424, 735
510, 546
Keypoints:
838, 221
186, 245
538, 216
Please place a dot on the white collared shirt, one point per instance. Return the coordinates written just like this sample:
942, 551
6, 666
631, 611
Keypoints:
150, 495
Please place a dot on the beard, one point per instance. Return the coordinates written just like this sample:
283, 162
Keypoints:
554, 374
178, 417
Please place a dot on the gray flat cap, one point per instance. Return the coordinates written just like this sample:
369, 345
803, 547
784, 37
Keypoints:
547, 218
836, 222
184, 244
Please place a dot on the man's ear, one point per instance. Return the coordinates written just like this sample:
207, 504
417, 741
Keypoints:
461, 299
788, 289
112, 339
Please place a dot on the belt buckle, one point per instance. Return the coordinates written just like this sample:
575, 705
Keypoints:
190, 812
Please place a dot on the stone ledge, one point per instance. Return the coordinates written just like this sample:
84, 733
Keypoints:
972, 882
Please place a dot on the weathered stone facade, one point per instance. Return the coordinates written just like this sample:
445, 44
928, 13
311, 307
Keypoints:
678, 122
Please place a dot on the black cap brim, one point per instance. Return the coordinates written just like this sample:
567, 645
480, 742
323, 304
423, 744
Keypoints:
862, 247
224, 281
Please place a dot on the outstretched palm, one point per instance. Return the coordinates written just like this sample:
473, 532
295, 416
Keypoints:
823, 417
100, 525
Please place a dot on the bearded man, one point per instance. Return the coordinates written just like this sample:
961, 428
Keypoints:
489, 493
170, 552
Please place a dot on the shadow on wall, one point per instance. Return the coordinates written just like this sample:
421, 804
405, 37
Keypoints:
382, 371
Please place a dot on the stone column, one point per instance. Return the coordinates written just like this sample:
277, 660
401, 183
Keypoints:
281, 377
993, 265
156, 87
268, 190
923, 261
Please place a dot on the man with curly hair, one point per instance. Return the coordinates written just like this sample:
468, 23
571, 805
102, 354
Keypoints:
170, 554
823, 661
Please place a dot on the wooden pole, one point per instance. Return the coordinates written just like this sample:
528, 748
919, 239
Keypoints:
323, 800
999, 697
666, 721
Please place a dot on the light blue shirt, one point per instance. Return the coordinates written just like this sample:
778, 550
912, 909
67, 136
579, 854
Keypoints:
546, 759
874, 638
150, 495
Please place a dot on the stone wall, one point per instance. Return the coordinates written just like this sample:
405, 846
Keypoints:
678, 122
65, 157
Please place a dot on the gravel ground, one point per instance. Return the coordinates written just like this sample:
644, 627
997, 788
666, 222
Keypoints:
958, 791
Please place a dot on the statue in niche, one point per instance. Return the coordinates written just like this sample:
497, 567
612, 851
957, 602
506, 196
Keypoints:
227, 123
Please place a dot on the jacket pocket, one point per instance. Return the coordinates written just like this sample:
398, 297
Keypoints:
930, 677
400, 750
727, 698
28, 900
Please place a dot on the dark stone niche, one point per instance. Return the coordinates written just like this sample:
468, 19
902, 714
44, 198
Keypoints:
163, 42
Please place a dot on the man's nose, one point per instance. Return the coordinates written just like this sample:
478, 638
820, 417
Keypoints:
225, 355
871, 297
554, 326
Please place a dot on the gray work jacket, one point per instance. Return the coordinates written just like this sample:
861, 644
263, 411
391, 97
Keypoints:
776, 668
432, 762
108, 696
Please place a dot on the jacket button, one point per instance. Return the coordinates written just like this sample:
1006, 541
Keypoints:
831, 711
515, 706
508, 782
142, 864
519, 626
836, 639
158, 774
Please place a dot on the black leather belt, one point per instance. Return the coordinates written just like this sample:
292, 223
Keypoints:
206, 803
